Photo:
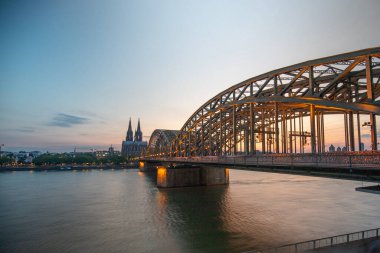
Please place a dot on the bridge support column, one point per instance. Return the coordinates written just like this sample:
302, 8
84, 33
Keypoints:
276, 130
147, 166
220, 148
372, 118
234, 149
214, 175
359, 134
351, 131
185, 176
312, 128
252, 146
323, 132
370, 96
263, 132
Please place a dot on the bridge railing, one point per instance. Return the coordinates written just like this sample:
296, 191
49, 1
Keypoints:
366, 160
323, 242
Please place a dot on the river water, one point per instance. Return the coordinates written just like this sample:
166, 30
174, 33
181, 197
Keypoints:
123, 211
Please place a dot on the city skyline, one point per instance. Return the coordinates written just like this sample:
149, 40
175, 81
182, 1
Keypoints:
72, 74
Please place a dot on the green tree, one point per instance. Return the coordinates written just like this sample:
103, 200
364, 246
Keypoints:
5, 160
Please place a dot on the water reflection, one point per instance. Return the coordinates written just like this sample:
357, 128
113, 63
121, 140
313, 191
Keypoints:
150, 178
274, 209
124, 211
194, 217
260, 210
206, 219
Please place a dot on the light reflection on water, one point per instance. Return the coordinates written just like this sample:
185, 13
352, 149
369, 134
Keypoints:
109, 211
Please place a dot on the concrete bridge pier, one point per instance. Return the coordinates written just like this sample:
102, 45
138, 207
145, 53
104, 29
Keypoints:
185, 176
148, 166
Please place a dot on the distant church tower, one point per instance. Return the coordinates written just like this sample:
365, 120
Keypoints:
138, 133
129, 132
133, 147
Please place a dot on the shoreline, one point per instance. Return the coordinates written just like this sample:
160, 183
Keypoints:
333, 174
67, 167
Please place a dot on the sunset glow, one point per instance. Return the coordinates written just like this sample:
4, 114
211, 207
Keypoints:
72, 74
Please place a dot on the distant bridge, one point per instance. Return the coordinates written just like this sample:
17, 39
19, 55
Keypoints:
160, 140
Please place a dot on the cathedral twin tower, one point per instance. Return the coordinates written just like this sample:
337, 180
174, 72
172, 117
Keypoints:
138, 133
133, 146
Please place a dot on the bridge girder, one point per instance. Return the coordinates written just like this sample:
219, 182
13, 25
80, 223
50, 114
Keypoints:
269, 110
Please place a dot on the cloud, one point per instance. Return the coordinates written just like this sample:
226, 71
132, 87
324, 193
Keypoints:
25, 129
21, 130
87, 113
366, 135
67, 120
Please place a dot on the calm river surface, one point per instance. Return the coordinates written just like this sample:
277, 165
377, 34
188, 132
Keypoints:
123, 211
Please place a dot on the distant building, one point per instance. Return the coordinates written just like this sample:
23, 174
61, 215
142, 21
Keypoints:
111, 150
361, 146
34, 154
98, 153
24, 157
133, 147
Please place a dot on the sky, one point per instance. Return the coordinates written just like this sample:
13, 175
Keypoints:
72, 73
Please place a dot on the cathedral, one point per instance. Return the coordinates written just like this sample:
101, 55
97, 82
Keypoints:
133, 145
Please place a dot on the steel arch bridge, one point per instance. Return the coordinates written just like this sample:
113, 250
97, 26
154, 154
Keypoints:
161, 140
277, 112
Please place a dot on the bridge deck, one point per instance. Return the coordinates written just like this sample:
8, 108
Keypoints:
349, 160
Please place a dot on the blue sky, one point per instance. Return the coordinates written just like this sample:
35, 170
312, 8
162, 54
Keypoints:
72, 73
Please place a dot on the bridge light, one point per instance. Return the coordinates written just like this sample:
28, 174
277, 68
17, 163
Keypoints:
161, 175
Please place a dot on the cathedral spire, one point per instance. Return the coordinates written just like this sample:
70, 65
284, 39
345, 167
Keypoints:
129, 132
138, 126
138, 133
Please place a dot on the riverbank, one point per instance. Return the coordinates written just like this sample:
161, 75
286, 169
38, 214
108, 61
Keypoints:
67, 167
367, 175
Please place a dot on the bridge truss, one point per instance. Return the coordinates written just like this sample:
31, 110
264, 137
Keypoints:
160, 141
279, 111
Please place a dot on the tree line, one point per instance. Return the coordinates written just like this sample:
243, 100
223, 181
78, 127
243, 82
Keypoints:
85, 158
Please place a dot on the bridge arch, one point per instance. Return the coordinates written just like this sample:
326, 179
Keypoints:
161, 140
278, 111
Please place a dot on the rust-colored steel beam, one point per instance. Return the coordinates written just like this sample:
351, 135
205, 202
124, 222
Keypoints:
228, 123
